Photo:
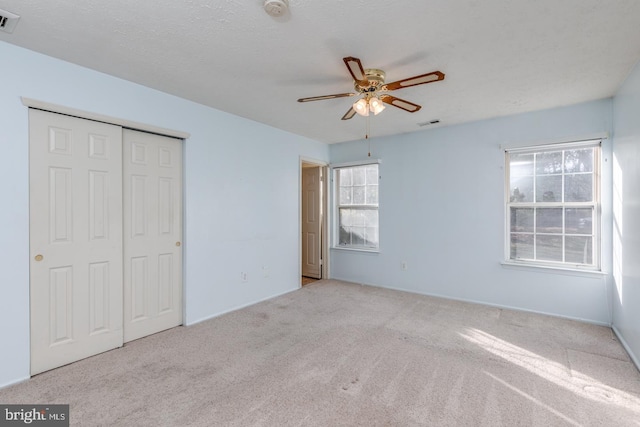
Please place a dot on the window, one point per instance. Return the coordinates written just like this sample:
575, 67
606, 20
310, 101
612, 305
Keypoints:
553, 205
356, 199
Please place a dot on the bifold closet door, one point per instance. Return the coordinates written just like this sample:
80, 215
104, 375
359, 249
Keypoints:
75, 193
152, 188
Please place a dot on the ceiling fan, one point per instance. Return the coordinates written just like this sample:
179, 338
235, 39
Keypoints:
370, 83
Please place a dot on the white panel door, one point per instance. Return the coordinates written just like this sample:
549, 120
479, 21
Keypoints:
311, 222
152, 233
75, 189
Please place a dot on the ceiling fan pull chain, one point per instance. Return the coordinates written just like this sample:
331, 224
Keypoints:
366, 128
367, 134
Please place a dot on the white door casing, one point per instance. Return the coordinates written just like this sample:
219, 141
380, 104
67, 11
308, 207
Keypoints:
75, 242
311, 222
152, 167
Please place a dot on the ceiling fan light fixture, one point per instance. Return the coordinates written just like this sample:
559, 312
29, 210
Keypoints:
369, 84
376, 105
362, 107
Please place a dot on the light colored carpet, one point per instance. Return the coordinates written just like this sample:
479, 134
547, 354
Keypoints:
339, 354
307, 280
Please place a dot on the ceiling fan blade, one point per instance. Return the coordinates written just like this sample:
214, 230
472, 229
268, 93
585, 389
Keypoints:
355, 68
400, 103
435, 76
349, 114
320, 98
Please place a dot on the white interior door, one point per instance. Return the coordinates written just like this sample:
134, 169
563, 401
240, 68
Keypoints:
152, 233
311, 222
75, 238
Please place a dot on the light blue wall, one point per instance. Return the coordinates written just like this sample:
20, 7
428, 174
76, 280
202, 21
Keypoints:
241, 192
442, 211
626, 213
441, 203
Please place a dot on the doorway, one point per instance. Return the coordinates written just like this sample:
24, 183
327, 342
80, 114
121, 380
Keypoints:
313, 222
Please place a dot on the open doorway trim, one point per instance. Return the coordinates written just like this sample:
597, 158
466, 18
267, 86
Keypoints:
325, 215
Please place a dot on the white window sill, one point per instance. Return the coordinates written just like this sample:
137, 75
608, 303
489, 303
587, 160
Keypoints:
541, 268
351, 249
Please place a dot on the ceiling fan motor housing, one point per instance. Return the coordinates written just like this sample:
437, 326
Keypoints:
276, 7
375, 80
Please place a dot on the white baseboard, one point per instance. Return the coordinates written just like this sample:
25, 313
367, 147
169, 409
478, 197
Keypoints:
471, 301
213, 316
10, 383
633, 357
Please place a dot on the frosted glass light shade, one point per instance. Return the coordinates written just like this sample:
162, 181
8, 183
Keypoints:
362, 107
376, 105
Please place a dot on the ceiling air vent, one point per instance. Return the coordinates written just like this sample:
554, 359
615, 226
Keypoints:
8, 21
432, 122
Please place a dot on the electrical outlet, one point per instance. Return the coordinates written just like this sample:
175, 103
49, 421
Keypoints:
403, 265
244, 277
265, 272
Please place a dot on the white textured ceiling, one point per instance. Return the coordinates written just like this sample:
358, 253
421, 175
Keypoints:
500, 57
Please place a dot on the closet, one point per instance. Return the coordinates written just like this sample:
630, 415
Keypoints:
105, 236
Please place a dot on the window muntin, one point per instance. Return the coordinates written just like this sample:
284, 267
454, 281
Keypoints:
553, 205
357, 206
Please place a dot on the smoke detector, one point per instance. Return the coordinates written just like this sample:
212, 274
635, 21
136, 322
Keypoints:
8, 21
276, 7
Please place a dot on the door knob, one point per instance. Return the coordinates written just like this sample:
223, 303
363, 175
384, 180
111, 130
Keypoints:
177, 243
38, 257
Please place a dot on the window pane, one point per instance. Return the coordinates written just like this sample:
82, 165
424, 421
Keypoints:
358, 217
370, 217
358, 227
372, 195
549, 248
345, 236
521, 189
549, 220
371, 237
579, 249
549, 188
345, 196
550, 162
522, 219
578, 188
351, 217
521, 246
359, 175
346, 217
357, 236
358, 195
372, 174
578, 160
521, 164
578, 221
345, 177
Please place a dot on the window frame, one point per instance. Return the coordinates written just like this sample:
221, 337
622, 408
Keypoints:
335, 171
596, 204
